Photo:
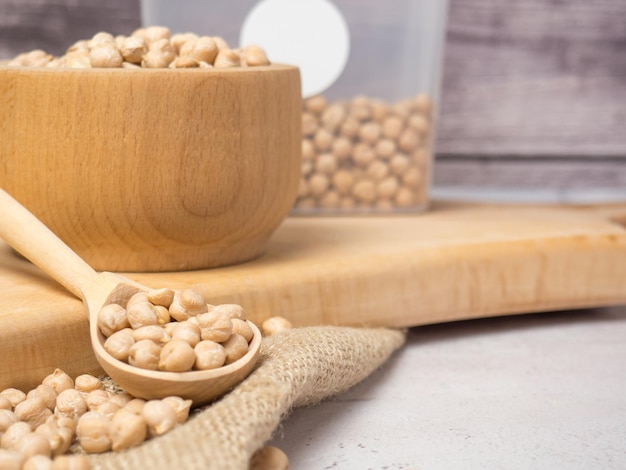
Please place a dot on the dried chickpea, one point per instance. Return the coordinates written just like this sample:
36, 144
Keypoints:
377, 170
209, 355
387, 188
332, 117
309, 124
71, 404
101, 38
241, 327
107, 408
412, 178
205, 50
145, 355
186, 331
135, 405
341, 148
230, 310
7, 418
119, 344
14, 395
350, 127
364, 191
176, 356
370, 132
13, 434
404, 197
308, 152
181, 407
318, 184
159, 416
343, 181
105, 56
95, 398
133, 49
154, 333
323, 140
274, 325
215, 326
121, 398
329, 200
409, 140
255, 56
326, 163
5, 404
154, 34
32, 411
315, 104
363, 154
385, 148
179, 39
112, 318
88, 383
92, 432
187, 303
227, 58
140, 312
399, 164
269, 458
46, 393
235, 347
127, 430
392, 127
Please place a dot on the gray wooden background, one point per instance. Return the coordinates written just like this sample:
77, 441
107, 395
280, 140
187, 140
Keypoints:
533, 94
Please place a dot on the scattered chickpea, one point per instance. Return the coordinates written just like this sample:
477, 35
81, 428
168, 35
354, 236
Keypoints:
127, 430
5, 403
274, 325
46, 393
159, 416
7, 418
92, 432
88, 383
269, 458
181, 407
13, 395
71, 404
13, 434
32, 411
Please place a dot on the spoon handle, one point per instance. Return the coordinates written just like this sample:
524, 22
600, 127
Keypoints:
29, 236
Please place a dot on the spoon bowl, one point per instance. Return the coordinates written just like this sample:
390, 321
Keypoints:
31, 238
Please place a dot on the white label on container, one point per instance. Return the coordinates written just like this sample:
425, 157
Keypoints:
311, 34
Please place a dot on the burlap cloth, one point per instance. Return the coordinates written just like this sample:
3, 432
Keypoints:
296, 368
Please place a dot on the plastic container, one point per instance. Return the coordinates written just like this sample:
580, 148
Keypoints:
370, 80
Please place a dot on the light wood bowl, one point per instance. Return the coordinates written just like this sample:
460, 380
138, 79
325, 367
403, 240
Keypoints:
153, 170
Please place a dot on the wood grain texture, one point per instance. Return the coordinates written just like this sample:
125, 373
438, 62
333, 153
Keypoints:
150, 170
535, 77
455, 262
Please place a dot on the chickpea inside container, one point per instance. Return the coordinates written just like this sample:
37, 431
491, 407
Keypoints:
365, 155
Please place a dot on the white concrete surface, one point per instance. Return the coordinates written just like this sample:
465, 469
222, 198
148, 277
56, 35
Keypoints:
541, 391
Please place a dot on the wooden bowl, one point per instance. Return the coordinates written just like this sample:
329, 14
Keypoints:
153, 170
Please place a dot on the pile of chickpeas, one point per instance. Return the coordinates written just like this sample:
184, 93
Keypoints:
53, 425
174, 331
151, 47
364, 154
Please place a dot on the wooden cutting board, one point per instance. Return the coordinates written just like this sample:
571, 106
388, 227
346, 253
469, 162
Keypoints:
457, 261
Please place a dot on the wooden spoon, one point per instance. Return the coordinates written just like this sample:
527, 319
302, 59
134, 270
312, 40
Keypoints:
28, 236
